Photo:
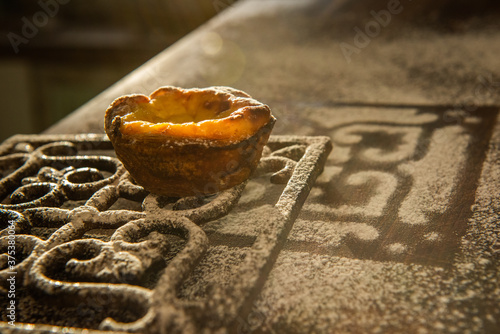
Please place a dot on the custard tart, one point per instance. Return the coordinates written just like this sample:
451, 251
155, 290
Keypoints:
189, 142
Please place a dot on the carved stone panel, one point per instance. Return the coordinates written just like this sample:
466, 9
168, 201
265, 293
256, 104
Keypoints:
83, 246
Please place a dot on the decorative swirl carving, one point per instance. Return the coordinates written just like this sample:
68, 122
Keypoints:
57, 202
60, 175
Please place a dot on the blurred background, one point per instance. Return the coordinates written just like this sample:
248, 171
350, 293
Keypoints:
55, 55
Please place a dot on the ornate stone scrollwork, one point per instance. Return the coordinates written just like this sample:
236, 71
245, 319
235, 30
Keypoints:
109, 263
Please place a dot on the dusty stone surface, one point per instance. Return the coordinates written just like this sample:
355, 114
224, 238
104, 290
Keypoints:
346, 294
287, 54
401, 232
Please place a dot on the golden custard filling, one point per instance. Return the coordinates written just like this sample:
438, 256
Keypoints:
195, 115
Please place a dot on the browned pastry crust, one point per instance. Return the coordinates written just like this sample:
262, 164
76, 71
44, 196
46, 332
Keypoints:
184, 142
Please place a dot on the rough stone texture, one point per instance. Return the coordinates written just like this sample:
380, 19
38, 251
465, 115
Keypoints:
401, 233
338, 292
287, 54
